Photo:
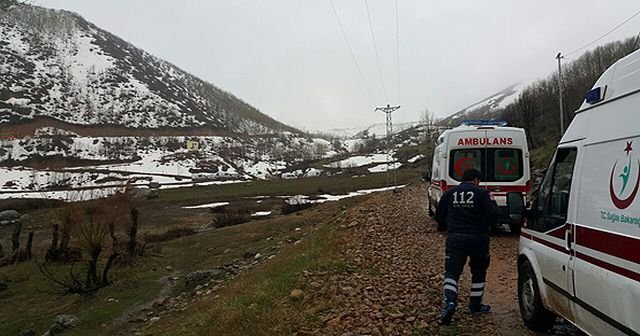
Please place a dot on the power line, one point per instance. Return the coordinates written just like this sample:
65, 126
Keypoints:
605, 34
375, 49
355, 61
398, 49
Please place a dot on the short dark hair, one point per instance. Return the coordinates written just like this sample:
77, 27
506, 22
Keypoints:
471, 174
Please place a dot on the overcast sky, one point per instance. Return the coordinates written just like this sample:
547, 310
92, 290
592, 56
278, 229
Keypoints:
288, 57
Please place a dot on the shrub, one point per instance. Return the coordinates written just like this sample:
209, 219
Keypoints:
230, 218
170, 234
22, 205
291, 208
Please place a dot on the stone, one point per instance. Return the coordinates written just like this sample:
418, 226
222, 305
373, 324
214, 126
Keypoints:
296, 294
27, 332
169, 268
160, 302
25, 219
202, 276
304, 333
334, 322
62, 323
9, 216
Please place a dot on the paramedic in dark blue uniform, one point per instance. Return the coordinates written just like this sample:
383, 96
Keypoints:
466, 212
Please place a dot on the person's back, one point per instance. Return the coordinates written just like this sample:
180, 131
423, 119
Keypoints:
466, 209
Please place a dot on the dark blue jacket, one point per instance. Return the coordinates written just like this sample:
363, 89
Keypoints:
466, 209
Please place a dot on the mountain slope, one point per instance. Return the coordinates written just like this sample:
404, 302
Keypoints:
488, 108
56, 64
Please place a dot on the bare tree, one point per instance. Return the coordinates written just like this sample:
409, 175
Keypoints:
428, 120
6, 5
93, 231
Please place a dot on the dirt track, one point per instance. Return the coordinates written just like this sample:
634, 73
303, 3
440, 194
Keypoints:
394, 284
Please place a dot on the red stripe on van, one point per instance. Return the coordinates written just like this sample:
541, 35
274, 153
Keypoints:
587, 258
560, 232
623, 247
544, 242
613, 268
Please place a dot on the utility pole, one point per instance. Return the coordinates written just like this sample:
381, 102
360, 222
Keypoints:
388, 110
559, 57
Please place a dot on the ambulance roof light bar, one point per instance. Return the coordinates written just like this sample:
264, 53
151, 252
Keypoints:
492, 122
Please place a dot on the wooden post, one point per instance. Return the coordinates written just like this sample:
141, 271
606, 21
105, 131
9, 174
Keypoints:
15, 238
29, 246
133, 232
54, 238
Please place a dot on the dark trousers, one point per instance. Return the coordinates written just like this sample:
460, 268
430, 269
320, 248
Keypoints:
459, 247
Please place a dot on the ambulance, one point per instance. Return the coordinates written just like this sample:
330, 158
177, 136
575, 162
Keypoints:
499, 152
580, 244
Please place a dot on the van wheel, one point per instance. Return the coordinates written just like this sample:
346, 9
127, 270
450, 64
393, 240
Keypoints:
515, 228
535, 316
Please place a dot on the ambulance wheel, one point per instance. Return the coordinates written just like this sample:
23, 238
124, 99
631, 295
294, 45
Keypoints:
515, 229
429, 203
535, 316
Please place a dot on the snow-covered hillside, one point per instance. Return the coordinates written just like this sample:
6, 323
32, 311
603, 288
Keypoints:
378, 130
487, 108
68, 161
56, 64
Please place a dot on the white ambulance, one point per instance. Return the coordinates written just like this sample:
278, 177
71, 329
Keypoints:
499, 152
580, 245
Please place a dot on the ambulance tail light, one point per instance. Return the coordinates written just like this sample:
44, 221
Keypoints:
443, 185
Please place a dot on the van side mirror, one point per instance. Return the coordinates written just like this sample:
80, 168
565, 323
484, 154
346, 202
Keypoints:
515, 205
426, 176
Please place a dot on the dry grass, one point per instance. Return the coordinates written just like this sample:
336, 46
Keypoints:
258, 303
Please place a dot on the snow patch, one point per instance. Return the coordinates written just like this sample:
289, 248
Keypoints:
207, 206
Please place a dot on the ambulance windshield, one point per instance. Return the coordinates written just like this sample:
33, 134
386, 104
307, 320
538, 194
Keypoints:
496, 164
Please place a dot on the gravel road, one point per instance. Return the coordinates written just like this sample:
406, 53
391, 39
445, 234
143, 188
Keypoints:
393, 282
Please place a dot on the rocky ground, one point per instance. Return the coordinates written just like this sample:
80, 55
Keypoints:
392, 284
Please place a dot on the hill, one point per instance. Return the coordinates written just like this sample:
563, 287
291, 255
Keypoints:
57, 66
488, 108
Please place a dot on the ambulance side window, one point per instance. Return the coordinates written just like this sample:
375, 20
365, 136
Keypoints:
553, 197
